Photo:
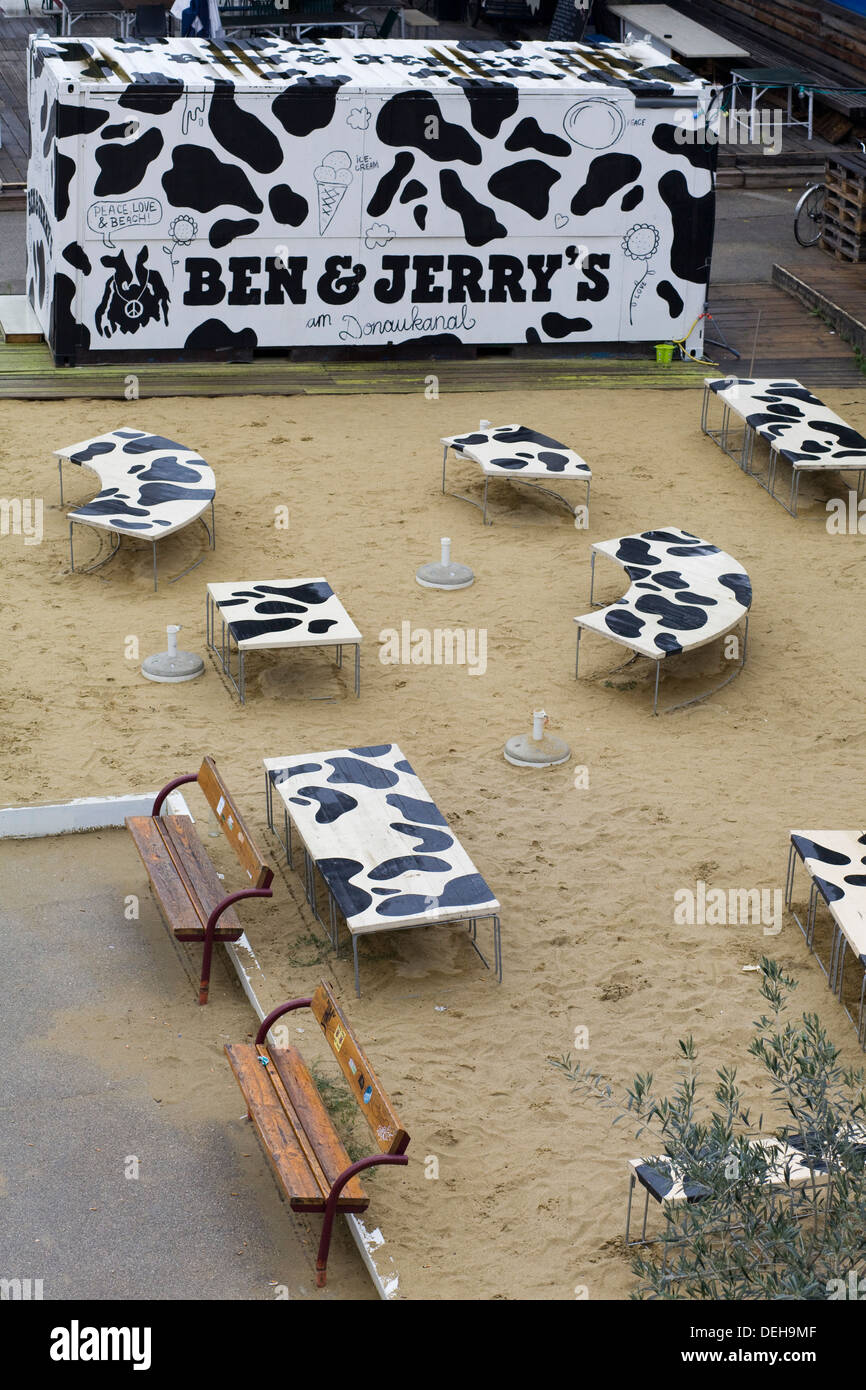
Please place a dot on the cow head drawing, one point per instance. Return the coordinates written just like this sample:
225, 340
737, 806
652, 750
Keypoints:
129, 301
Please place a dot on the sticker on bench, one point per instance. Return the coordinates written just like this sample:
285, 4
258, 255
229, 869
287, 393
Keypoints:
368, 1095
220, 804
339, 1039
352, 1067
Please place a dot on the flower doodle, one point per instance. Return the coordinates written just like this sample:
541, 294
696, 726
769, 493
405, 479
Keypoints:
183, 232
640, 243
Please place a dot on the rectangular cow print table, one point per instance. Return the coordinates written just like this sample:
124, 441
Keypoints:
380, 843
797, 427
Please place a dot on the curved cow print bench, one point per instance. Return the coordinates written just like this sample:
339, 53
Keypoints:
684, 593
518, 453
381, 845
796, 425
151, 487
835, 861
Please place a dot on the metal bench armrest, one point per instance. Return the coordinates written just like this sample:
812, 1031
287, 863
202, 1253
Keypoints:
211, 928
266, 1023
331, 1205
170, 787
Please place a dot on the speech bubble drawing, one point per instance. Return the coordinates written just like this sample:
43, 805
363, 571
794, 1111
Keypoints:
111, 216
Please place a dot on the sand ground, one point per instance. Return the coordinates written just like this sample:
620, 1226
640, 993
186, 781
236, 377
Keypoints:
530, 1194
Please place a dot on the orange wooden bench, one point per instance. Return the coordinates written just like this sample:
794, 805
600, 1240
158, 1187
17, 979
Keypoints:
296, 1131
184, 881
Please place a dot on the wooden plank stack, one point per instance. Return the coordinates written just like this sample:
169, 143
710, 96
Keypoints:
843, 233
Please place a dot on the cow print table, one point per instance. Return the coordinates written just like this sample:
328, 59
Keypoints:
796, 426
151, 487
835, 861
684, 593
791, 1166
382, 847
262, 615
518, 453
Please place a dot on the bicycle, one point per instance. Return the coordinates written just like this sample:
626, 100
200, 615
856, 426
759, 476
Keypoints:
809, 215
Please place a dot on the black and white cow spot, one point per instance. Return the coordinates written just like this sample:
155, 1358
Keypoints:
287, 207
154, 94
78, 120
77, 257
527, 185
607, 174
229, 229
390, 182
313, 111
241, 133
64, 174
416, 119
480, 224
198, 179
122, 167
669, 293
692, 219
488, 110
560, 326
216, 336
528, 135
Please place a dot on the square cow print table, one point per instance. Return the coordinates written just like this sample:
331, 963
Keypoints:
518, 453
262, 615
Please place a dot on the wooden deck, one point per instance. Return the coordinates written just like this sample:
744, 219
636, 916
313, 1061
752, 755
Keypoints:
27, 373
792, 342
836, 293
14, 33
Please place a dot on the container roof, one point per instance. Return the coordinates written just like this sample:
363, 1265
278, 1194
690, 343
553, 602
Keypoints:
366, 64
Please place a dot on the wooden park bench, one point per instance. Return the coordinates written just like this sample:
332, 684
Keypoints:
296, 1131
184, 880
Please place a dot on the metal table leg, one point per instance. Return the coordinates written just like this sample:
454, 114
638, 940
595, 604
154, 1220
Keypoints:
358, 670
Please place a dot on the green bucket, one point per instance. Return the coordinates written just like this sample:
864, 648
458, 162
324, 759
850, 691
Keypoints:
665, 353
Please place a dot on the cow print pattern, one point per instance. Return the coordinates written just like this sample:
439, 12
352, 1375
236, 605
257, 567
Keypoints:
151, 486
684, 593
836, 862
349, 804
537, 150
793, 1163
794, 422
504, 449
284, 613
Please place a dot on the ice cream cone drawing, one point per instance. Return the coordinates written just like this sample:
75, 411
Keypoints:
332, 179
